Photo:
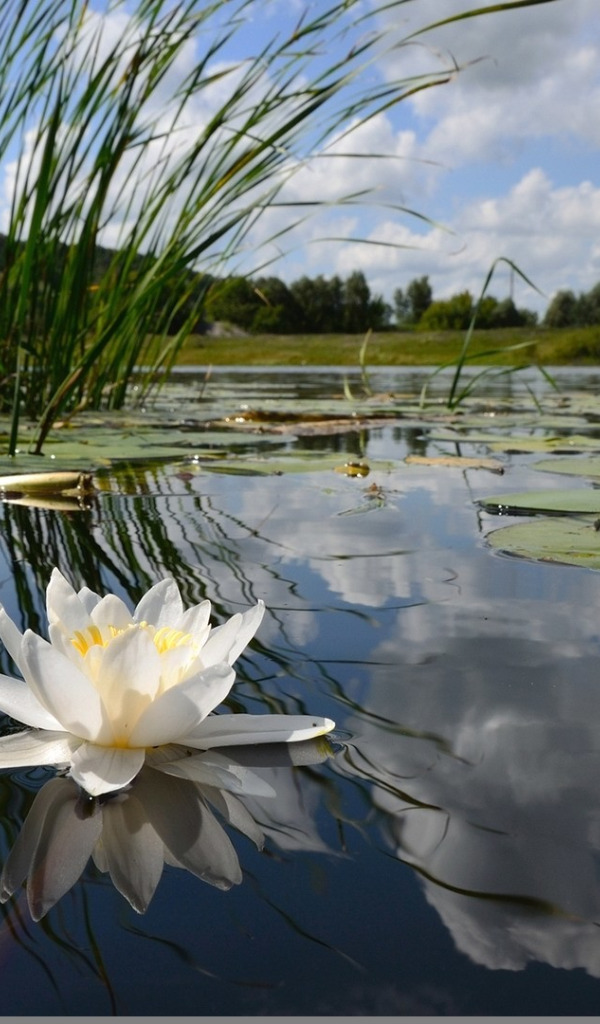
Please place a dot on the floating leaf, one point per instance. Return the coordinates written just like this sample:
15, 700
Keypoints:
297, 461
63, 483
515, 443
575, 443
456, 461
590, 466
56, 504
353, 469
562, 502
562, 540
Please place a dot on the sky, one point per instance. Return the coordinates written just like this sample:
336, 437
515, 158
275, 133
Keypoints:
502, 160
505, 157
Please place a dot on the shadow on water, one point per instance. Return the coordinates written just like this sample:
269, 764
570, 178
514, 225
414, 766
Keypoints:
444, 859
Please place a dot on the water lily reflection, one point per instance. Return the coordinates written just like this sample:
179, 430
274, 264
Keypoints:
113, 686
159, 819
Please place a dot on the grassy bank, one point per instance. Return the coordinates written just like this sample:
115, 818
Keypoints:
548, 347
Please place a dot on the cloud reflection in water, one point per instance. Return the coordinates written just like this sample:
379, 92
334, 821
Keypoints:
482, 767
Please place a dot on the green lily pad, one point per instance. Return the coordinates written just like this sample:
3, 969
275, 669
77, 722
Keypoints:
589, 466
558, 501
512, 443
284, 463
562, 540
44, 464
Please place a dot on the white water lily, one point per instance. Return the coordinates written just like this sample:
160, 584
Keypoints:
113, 685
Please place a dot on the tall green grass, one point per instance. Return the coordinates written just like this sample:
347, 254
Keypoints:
459, 387
108, 142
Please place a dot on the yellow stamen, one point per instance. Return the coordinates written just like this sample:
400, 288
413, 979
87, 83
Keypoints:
165, 639
83, 641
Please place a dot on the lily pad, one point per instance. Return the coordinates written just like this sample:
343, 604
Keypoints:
296, 461
557, 501
561, 540
590, 466
515, 443
455, 461
31, 484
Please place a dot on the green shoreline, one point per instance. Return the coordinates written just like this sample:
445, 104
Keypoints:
542, 346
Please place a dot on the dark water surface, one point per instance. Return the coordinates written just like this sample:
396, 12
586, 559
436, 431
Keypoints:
446, 860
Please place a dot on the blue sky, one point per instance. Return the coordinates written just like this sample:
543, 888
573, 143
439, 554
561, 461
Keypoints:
513, 141
504, 157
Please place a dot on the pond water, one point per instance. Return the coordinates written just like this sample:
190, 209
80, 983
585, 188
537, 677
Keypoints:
442, 857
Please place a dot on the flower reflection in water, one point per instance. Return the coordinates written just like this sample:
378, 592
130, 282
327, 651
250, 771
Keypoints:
159, 819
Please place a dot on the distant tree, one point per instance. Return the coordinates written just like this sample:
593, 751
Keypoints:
356, 299
278, 311
503, 313
507, 315
319, 302
487, 313
402, 307
564, 310
333, 299
271, 320
448, 314
234, 301
380, 313
420, 297
588, 306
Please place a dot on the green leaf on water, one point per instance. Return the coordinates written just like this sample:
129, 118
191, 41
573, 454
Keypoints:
589, 466
563, 540
515, 443
557, 501
297, 461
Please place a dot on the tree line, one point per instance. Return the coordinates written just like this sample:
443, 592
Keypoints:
321, 305
570, 310
416, 307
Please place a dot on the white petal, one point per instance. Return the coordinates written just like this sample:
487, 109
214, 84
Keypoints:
11, 637
177, 664
236, 814
161, 605
33, 747
217, 771
103, 769
89, 599
195, 621
63, 690
220, 641
61, 639
111, 611
251, 620
128, 678
18, 701
64, 605
131, 850
189, 830
227, 642
179, 709
234, 730
53, 847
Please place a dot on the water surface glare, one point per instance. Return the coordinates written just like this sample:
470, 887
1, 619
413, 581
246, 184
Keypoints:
445, 860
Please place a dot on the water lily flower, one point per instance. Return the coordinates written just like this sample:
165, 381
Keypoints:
112, 688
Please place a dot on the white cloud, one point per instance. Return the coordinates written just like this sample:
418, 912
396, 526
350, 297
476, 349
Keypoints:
551, 233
